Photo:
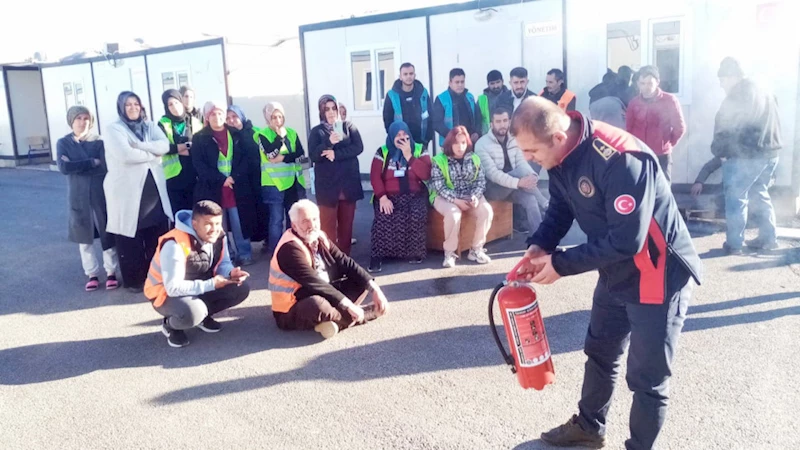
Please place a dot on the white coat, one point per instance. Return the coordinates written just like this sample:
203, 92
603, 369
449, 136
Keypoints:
128, 160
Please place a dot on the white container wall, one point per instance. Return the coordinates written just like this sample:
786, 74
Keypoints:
109, 81
65, 86
525, 34
254, 81
201, 68
342, 62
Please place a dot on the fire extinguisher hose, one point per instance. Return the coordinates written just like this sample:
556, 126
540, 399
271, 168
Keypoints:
507, 357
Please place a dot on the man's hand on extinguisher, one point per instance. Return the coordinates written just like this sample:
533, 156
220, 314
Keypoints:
527, 269
547, 273
538, 266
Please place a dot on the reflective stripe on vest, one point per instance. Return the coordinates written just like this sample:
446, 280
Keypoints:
154, 288
447, 103
423, 104
223, 161
281, 286
441, 161
565, 100
483, 105
281, 175
172, 163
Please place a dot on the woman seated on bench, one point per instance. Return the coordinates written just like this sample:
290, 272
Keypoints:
399, 172
457, 186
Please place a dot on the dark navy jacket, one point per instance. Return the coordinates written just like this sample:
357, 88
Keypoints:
612, 185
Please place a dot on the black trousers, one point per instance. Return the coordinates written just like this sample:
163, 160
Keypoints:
181, 198
650, 332
135, 253
189, 312
310, 311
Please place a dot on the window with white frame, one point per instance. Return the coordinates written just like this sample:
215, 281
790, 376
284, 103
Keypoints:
174, 79
73, 94
665, 45
372, 72
659, 42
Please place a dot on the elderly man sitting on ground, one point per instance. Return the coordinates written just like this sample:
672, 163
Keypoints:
316, 286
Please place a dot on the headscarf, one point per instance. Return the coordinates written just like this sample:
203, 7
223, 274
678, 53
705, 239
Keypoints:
321, 103
77, 110
270, 108
172, 93
238, 111
210, 107
395, 154
138, 126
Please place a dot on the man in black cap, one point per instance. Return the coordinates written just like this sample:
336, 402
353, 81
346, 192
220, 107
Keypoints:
747, 136
488, 100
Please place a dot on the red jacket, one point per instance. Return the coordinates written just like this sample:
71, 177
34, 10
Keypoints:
658, 122
384, 181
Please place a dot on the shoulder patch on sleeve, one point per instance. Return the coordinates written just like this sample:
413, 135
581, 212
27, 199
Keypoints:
603, 148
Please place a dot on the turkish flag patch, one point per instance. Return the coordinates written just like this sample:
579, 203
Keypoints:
625, 204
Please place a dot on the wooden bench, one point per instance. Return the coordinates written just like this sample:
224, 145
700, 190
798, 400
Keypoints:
502, 226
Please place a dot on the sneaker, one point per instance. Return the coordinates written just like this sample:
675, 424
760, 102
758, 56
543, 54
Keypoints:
479, 256
730, 251
353, 241
92, 284
209, 325
759, 244
572, 435
417, 260
375, 265
449, 260
327, 329
111, 283
175, 338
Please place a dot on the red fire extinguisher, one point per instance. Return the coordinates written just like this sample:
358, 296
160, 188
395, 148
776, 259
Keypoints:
524, 326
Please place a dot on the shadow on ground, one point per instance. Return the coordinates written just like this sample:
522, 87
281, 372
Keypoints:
441, 350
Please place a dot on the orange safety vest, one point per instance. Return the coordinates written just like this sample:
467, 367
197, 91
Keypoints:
154, 288
281, 286
565, 99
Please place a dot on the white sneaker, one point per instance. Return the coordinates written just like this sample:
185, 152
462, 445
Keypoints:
327, 329
449, 260
479, 256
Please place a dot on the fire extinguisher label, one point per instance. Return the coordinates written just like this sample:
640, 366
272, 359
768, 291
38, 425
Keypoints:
530, 341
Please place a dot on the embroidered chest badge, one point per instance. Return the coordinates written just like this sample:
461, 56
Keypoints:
603, 148
585, 187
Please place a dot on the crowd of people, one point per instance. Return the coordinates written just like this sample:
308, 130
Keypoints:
177, 204
141, 179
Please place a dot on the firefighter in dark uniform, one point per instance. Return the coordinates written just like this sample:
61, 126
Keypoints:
611, 183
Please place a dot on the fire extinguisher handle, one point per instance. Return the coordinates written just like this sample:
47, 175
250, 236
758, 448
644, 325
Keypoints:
512, 276
506, 357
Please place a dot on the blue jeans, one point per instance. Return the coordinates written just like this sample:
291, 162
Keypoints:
652, 332
273, 199
746, 182
240, 247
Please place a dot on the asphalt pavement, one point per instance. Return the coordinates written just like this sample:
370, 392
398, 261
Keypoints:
92, 371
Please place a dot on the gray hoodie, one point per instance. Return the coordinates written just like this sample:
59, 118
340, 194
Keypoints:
173, 263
